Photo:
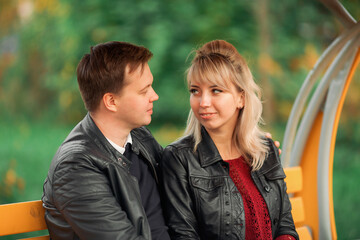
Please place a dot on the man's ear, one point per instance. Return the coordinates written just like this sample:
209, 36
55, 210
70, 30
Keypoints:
109, 102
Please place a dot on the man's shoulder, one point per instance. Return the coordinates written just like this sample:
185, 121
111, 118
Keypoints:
76, 144
76, 138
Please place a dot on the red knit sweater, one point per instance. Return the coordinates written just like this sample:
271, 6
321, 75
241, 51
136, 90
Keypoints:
257, 219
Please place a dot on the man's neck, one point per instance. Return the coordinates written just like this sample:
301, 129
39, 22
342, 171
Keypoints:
110, 128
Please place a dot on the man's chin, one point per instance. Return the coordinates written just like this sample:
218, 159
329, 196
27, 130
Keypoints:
145, 123
148, 122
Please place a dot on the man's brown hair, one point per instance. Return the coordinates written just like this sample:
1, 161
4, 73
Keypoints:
103, 70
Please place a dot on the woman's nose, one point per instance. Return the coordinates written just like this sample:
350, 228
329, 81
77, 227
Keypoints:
205, 100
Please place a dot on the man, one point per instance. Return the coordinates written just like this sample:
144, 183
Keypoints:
94, 188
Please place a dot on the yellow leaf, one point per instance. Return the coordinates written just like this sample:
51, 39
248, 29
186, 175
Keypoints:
269, 65
10, 177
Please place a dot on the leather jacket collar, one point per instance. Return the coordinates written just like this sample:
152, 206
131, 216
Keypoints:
94, 133
98, 137
208, 154
208, 151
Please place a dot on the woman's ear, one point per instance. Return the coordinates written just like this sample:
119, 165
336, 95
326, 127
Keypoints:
109, 102
241, 100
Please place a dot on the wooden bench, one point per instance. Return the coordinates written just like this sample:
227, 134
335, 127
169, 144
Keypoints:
23, 217
294, 182
27, 217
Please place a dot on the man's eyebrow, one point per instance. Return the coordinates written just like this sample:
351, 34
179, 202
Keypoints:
144, 88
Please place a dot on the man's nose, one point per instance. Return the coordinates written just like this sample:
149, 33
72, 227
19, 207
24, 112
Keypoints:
154, 97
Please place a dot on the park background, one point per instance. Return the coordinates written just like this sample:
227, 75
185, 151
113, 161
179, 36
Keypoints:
41, 42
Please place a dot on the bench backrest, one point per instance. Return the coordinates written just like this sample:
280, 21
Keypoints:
22, 217
26, 217
294, 182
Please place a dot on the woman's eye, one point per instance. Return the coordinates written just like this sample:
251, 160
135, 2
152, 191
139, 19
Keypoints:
193, 91
217, 91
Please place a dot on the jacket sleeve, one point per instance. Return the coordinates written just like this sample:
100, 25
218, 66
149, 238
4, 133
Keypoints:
286, 224
179, 203
82, 194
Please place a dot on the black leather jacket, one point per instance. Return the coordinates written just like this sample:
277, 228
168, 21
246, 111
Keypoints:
88, 181
204, 203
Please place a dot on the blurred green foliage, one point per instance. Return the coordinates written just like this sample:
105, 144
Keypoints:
41, 42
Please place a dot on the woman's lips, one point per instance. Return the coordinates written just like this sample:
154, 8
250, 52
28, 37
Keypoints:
206, 115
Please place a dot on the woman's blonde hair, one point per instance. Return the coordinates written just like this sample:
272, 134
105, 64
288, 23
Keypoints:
218, 62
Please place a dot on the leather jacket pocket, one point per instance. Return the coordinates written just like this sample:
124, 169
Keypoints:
209, 204
206, 184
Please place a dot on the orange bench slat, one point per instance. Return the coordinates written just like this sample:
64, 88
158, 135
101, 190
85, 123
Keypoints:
22, 217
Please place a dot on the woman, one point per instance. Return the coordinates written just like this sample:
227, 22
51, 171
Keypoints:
223, 179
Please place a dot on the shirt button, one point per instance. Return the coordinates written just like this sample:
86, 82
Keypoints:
227, 223
227, 202
227, 214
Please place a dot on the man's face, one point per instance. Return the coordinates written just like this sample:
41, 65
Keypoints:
136, 99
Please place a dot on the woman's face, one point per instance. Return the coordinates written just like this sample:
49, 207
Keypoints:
215, 107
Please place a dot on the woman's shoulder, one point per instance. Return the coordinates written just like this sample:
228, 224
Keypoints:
182, 143
272, 163
177, 153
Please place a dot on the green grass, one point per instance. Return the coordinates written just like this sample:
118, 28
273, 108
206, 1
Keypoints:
29, 148
346, 190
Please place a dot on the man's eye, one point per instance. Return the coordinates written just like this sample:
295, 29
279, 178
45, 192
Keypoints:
144, 91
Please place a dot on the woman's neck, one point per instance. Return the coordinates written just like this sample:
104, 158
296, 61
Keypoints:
225, 145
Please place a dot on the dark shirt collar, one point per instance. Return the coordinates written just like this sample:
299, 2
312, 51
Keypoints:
119, 148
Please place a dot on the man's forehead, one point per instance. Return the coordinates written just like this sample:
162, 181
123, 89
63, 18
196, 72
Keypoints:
137, 74
135, 68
